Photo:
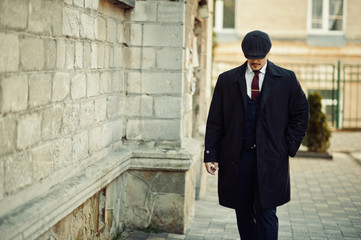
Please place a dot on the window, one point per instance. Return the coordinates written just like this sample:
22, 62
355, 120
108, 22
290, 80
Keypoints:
326, 23
224, 16
327, 16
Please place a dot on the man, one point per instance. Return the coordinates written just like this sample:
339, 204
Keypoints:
257, 119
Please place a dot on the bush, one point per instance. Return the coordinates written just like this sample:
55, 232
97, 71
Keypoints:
318, 135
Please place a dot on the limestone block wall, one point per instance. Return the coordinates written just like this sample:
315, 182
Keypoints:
93, 93
61, 87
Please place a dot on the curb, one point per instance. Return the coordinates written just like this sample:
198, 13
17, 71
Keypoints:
314, 155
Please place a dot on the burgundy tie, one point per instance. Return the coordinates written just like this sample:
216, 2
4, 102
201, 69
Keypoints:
255, 85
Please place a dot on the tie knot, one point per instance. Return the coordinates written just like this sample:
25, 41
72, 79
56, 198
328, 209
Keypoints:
256, 72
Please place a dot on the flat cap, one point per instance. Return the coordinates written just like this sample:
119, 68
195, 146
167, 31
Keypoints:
256, 45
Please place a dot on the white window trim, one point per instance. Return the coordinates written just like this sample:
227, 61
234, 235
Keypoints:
325, 30
218, 21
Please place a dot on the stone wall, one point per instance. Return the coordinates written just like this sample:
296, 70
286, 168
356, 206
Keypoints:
93, 95
62, 91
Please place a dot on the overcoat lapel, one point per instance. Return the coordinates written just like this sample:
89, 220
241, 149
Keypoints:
242, 83
267, 85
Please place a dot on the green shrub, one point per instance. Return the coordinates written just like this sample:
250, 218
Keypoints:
318, 135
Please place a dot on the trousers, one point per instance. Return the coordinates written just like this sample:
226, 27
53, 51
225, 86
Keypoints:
254, 223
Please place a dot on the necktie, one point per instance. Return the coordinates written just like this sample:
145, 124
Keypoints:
255, 85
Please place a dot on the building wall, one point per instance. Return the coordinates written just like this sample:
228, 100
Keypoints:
90, 90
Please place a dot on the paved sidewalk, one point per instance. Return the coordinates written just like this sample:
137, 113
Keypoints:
325, 201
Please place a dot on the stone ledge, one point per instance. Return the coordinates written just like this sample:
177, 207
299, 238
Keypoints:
30, 219
126, 4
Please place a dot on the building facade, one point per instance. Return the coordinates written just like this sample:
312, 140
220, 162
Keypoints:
102, 104
319, 39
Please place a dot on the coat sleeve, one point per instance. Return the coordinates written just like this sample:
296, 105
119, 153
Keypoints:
298, 116
214, 127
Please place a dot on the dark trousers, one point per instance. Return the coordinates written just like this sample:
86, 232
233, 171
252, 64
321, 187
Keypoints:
254, 223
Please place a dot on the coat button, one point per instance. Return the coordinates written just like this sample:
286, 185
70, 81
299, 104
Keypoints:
207, 151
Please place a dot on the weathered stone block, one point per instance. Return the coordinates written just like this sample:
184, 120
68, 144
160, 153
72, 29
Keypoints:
40, 89
50, 54
42, 161
87, 26
139, 105
100, 109
145, 11
121, 105
62, 153
170, 58
18, 172
7, 135
160, 35
133, 56
120, 32
95, 143
79, 55
105, 82
32, 53
168, 107
9, 52
118, 81
87, 55
79, 3
60, 53
71, 20
134, 34
13, 17
112, 107
14, 93
162, 83
167, 214
55, 10
51, 122
78, 86
94, 55
71, 118
171, 12
2, 179
80, 146
139, 201
117, 132
148, 129
106, 54
161, 129
70, 55
134, 82
86, 113
111, 30
107, 134
39, 17
29, 130
61, 86
118, 56
149, 58
102, 29
93, 84
101, 55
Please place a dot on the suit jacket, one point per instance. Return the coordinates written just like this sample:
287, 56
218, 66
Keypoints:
281, 125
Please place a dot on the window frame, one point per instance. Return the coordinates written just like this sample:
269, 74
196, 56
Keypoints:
219, 20
325, 19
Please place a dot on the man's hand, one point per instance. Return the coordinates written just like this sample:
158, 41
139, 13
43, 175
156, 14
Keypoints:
211, 167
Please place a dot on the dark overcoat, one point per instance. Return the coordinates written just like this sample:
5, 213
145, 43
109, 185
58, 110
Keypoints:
281, 125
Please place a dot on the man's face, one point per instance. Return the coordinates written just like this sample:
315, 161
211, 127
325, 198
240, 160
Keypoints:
257, 64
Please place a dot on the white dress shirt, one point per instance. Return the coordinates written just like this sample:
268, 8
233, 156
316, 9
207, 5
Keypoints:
249, 78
